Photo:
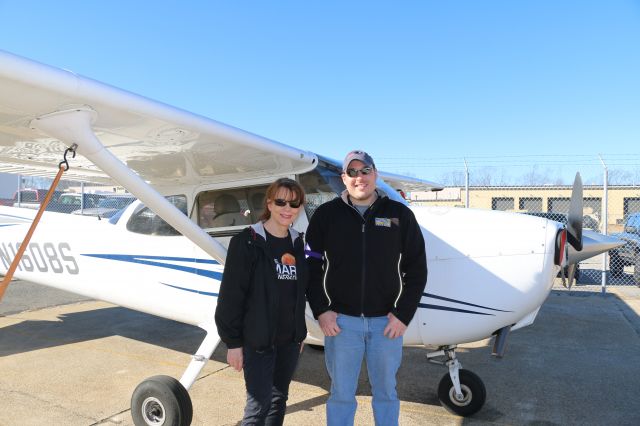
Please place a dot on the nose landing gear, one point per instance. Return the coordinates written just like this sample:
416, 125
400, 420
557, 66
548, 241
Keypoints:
460, 391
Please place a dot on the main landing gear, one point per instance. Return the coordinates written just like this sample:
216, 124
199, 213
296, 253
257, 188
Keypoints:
460, 391
161, 400
165, 401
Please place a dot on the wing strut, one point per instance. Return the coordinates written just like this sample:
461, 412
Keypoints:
74, 126
62, 167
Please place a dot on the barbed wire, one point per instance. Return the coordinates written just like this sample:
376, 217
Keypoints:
518, 169
610, 160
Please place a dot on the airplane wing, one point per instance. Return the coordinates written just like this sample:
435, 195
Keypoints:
409, 184
163, 145
140, 144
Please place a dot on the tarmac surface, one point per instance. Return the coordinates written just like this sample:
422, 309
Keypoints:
65, 360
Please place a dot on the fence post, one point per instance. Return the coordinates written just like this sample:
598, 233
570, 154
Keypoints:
605, 223
81, 198
19, 192
466, 183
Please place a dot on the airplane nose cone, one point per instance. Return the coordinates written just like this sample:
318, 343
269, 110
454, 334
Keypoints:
593, 244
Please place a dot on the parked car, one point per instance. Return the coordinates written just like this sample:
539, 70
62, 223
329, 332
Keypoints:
68, 202
107, 206
588, 222
628, 254
32, 198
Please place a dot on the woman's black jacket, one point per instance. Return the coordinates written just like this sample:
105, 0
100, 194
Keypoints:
247, 310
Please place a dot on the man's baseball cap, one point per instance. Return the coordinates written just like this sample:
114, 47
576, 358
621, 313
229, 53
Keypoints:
357, 155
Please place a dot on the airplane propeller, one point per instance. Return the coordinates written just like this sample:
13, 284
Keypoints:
574, 230
574, 219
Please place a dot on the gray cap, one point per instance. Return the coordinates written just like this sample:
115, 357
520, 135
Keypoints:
357, 155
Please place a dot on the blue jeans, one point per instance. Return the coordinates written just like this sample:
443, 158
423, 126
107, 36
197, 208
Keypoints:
362, 337
267, 375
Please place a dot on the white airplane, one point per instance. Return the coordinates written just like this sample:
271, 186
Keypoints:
195, 178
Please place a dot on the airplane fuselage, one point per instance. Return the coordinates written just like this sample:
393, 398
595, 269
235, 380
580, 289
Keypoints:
481, 278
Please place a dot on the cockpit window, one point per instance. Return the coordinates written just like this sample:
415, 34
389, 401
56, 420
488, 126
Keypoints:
321, 184
225, 208
145, 221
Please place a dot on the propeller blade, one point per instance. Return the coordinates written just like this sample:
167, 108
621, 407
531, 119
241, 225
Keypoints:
574, 218
571, 273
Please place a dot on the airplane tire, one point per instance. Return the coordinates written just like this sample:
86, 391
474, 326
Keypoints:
161, 401
473, 390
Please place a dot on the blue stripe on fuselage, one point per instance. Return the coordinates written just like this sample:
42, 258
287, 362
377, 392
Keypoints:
154, 261
452, 309
151, 261
448, 308
433, 296
206, 293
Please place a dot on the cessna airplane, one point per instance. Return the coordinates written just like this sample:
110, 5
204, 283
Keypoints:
198, 182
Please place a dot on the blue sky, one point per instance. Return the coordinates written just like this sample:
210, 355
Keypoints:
518, 88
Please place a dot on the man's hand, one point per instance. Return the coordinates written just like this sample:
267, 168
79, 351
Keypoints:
235, 358
395, 327
328, 323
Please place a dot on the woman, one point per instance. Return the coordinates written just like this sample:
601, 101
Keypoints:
260, 312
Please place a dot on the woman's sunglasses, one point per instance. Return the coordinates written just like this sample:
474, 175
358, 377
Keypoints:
354, 172
281, 203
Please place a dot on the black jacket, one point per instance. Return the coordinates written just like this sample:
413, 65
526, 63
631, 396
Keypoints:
369, 265
247, 310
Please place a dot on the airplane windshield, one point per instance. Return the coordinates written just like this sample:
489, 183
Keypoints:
145, 221
324, 183
320, 185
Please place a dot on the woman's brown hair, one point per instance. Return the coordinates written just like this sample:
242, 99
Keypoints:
294, 187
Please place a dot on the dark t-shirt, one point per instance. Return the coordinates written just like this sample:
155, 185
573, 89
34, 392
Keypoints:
285, 264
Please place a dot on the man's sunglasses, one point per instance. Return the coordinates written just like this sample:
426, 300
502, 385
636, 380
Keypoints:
281, 203
354, 172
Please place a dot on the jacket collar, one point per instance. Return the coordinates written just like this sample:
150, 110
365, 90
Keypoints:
258, 228
345, 197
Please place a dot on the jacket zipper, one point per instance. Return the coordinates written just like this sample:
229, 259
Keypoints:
364, 223
363, 269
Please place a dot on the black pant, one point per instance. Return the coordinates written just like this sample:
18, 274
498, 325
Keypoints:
267, 375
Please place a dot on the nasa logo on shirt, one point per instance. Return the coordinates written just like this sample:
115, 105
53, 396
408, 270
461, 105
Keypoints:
286, 267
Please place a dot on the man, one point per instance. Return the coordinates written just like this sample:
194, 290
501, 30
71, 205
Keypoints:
368, 271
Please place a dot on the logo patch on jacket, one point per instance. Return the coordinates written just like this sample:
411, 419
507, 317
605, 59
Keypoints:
383, 221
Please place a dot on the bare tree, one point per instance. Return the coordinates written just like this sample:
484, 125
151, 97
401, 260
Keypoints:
536, 177
486, 176
620, 177
453, 178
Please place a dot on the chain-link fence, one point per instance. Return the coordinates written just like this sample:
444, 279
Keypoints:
612, 210
69, 196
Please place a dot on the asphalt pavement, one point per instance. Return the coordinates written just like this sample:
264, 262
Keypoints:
66, 360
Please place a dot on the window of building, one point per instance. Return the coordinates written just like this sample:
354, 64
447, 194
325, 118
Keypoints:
592, 205
502, 203
530, 204
558, 204
631, 205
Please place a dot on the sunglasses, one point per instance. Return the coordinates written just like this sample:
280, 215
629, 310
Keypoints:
281, 203
354, 172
